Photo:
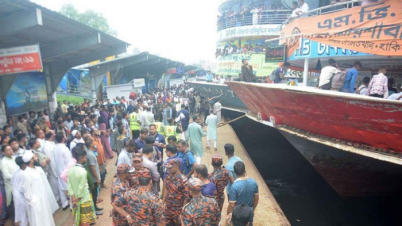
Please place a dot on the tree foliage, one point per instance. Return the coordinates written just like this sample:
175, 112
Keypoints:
89, 18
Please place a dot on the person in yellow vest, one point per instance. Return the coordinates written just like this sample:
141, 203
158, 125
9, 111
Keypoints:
135, 123
160, 127
173, 130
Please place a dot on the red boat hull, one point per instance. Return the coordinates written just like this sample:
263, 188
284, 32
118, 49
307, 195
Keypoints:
363, 120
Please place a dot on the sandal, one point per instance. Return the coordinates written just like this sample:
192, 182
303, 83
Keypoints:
208, 147
99, 200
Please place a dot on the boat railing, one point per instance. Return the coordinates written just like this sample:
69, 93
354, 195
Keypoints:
327, 9
262, 18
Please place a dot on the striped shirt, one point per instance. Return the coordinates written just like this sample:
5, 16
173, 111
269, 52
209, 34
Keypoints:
378, 85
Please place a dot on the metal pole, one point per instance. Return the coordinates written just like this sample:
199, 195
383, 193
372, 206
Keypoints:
93, 87
305, 73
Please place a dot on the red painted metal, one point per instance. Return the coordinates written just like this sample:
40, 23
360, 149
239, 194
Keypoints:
370, 121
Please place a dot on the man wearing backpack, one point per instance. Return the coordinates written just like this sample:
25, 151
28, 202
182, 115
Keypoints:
327, 74
350, 80
280, 72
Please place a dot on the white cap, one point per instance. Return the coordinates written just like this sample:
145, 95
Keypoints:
74, 132
27, 156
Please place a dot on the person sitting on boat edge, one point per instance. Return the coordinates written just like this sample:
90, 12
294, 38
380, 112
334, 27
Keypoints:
378, 86
247, 72
362, 90
396, 96
327, 73
208, 77
280, 72
350, 79
391, 89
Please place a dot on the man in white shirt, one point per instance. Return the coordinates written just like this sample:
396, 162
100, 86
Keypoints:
62, 157
396, 96
69, 123
125, 156
304, 8
217, 110
48, 149
147, 118
295, 8
327, 73
147, 154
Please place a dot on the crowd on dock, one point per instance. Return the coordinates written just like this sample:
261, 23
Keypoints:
48, 163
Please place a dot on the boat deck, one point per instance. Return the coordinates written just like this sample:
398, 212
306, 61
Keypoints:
268, 211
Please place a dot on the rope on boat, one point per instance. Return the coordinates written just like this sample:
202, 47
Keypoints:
223, 124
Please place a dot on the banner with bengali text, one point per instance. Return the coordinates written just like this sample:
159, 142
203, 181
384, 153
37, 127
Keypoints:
20, 59
231, 64
372, 28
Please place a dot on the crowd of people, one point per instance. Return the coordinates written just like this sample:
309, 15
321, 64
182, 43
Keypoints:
300, 7
233, 49
332, 77
252, 15
380, 86
56, 162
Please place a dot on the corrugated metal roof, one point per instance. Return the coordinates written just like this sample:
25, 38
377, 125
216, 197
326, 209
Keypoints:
55, 29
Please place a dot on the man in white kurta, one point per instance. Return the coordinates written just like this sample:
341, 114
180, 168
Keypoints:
20, 204
217, 110
38, 194
212, 134
48, 149
8, 167
195, 134
62, 157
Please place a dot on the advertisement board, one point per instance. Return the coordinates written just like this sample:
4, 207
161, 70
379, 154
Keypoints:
28, 93
20, 59
231, 64
139, 82
274, 53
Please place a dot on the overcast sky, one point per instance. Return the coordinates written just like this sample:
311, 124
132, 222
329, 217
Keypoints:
183, 30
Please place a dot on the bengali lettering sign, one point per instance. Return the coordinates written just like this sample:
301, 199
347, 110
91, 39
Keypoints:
20, 59
171, 71
254, 30
373, 28
231, 64
312, 49
27, 93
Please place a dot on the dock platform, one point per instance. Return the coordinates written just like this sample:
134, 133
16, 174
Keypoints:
268, 211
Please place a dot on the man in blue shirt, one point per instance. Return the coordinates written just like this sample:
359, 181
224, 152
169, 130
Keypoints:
232, 159
188, 158
141, 139
243, 191
184, 118
208, 77
350, 80
171, 153
281, 72
159, 138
